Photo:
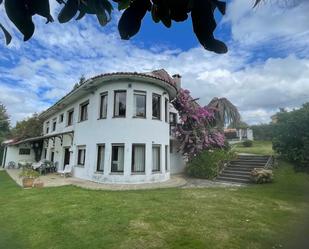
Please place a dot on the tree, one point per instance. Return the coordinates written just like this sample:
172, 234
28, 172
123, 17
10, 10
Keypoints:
4, 127
224, 112
196, 132
4, 123
20, 13
29, 127
291, 135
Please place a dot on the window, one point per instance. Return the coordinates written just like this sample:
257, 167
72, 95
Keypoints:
24, 151
52, 156
156, 158
139, 104
156, 106
70, 117
81, 155
138, 158
103, 105
54, 125
83, 114
166, 110
166, 157
100, 158
47, 128
117, 158
61, 118
120, 103
173, 118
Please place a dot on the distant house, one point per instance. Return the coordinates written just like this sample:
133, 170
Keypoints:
114, 127
238, 134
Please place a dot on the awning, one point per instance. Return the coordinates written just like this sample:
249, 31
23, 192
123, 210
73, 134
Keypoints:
34, 139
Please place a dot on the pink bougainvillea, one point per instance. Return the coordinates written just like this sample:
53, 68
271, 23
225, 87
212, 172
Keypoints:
195, 132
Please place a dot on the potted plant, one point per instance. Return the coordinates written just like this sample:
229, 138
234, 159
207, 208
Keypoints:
28, 175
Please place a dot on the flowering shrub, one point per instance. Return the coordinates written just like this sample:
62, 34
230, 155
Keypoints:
195, 132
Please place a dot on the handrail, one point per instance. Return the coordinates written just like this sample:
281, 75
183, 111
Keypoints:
270, 162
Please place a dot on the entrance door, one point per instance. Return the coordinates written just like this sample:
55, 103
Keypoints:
66, 157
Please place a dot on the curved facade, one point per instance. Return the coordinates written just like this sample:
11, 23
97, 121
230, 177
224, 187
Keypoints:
113, 128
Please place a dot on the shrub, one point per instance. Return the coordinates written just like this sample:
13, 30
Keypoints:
247, 143
207, 164
291, 136
261, 175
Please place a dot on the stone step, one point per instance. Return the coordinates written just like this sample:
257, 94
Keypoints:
234, 175
248, 162
232, 179
232, 171
245, 166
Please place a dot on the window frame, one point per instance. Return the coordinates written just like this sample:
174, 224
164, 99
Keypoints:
158, 146
114, 113
139, 93
69, 112
118, 171
54, 124
132, 159
166, 109
159, 108
61, 118
24, 151
83, 113
99, 157
47, 127
79, 156
102, 96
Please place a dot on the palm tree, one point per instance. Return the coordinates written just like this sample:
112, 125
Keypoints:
225, 112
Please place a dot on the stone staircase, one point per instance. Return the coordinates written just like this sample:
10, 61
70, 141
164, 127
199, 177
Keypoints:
238, 171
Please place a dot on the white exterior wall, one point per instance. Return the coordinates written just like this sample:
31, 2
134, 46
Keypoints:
13, 155
128, 130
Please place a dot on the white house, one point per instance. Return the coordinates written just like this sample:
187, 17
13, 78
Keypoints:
113, 128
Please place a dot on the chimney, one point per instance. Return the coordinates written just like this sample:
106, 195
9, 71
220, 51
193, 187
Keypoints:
177, 79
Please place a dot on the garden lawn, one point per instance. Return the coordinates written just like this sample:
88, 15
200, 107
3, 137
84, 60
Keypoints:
258, 147
258, 216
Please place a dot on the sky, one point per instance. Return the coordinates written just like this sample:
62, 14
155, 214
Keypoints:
267, 65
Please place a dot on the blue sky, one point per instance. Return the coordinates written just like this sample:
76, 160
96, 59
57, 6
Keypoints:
267, 65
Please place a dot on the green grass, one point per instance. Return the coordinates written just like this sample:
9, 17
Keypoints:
259, 216
259, 147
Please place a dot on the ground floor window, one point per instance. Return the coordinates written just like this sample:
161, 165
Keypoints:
117, 158
166, 157
81, 155
24, 151
52, 156
138, 158
100, 158
156, 158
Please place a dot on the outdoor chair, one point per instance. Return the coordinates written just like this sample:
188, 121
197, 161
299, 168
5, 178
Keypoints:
67, 170
11, 165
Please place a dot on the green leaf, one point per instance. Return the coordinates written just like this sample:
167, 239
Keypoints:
20, 16
123, 4
68, 11
8, 37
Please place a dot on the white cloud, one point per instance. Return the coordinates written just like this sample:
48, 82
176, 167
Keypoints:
45, 68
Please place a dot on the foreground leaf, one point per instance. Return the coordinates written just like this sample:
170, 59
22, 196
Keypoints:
8, 37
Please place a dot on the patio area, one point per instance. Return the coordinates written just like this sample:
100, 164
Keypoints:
176, 181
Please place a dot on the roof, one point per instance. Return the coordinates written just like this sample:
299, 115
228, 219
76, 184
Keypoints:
32, 139
156, 76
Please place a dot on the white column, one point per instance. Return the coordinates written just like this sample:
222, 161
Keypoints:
127, 159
